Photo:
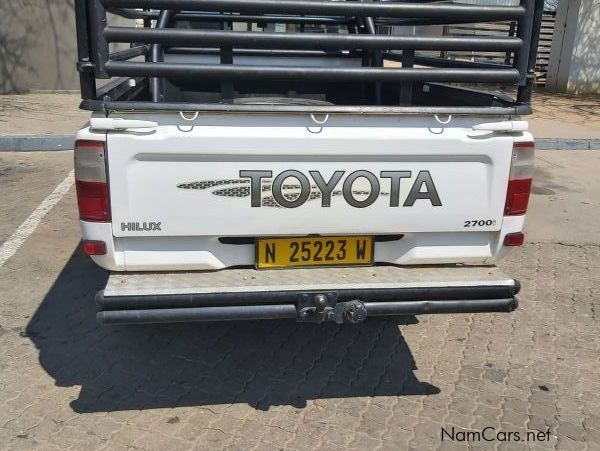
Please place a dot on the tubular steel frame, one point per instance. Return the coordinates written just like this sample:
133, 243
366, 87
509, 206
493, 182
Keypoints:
253, 305
367, 23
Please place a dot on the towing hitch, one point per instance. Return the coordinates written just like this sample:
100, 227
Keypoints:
322, 307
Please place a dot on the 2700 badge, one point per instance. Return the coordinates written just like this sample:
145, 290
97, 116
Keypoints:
314, 251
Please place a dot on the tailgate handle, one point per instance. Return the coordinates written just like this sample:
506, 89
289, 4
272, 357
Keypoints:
108, 123
504, 126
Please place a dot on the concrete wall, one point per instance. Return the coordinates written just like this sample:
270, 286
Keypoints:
584, 73
574, 65
37, 46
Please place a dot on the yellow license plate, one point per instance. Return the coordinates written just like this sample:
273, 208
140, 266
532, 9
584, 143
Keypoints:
314, 251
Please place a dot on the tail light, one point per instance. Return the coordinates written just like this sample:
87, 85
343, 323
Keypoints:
90, 181
521, 174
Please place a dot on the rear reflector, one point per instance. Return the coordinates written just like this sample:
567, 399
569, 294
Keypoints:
514, 239
94, 247
521, 173
90, 181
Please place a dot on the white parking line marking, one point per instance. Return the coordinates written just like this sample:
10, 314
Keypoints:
16, 240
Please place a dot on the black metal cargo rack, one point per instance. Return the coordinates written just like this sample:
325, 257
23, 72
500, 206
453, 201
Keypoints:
332, 56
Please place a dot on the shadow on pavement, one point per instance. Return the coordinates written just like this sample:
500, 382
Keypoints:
262, 363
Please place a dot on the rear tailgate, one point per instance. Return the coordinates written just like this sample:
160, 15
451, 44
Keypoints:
220, 176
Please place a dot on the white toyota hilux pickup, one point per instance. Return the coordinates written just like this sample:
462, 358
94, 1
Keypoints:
242, 164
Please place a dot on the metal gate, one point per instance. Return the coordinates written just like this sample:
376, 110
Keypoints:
503, 28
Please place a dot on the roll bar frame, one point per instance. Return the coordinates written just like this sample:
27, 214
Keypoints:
368, 38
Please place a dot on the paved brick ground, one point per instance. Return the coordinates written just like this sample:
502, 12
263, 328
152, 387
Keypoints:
67, 383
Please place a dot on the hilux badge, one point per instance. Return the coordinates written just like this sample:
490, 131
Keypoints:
140, 227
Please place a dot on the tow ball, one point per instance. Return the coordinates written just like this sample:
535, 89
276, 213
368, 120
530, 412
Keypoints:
321, 307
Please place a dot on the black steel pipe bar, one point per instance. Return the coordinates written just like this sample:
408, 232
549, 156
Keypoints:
129, 53
226, 57
325, 7
239, 72
370, 25
286, 311
535, 33
81, 24
376, 57
87, 79
406, 90
243, 39
136, 302
429, 307
524, 94
524, 30
156, 56
98, 44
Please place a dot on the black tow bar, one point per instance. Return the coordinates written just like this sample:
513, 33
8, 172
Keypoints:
340, 306
318, 308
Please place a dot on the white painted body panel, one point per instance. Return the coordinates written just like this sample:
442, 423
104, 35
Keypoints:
469, 168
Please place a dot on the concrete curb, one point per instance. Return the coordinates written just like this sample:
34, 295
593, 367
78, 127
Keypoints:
35, 143
42, 143
567, 144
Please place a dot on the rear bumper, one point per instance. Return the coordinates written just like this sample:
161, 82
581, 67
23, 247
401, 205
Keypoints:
311, 295
207, 253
